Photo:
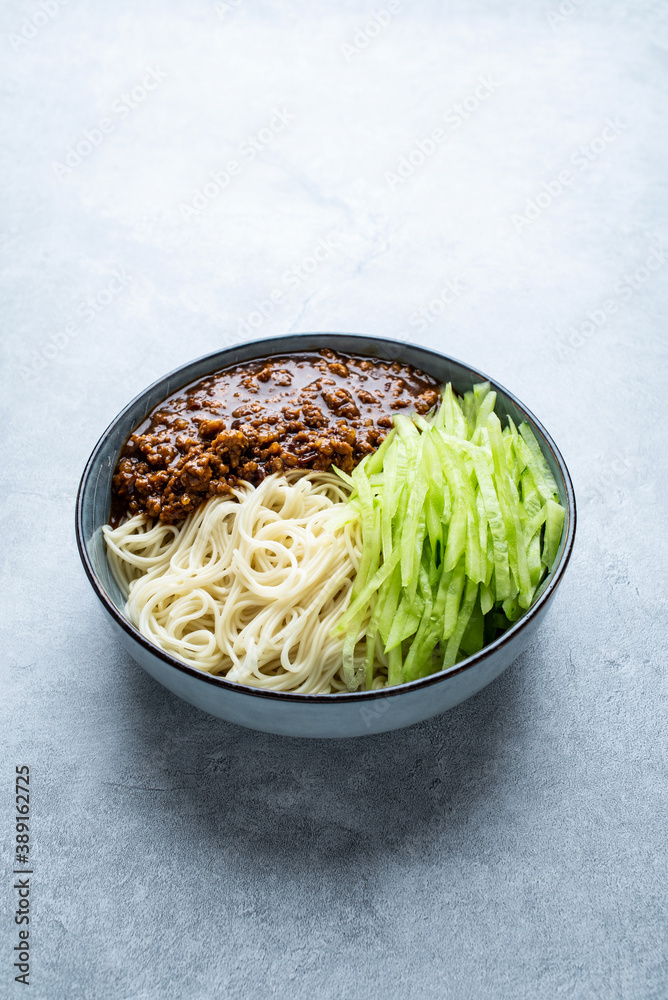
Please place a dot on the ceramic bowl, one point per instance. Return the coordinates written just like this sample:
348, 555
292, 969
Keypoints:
310, 715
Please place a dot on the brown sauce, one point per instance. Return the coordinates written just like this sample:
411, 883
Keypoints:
307, 411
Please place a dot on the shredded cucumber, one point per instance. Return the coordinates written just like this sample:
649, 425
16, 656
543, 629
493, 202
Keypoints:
460, 520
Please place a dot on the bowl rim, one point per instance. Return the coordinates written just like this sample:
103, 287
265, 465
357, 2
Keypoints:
272, 345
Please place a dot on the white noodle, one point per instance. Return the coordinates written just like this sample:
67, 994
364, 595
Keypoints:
247, 589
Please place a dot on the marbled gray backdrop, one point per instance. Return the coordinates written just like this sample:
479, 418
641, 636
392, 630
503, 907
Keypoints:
515, 847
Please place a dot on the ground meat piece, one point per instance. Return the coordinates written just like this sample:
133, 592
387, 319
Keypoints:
184, 442
341, 402
426, 401
345, 432
230, 444
345, 452
208, 428
167, 453
271, 434
153, 506
196, 473
338, 368
247, 409
313, 416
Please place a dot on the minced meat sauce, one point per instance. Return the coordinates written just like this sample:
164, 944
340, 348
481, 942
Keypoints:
307, 411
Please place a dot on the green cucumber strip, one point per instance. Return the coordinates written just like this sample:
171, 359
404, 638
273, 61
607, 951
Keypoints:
537, 463
406, 623
411, 544
514, 589
509, 503
390, 469
394, 667
434, 526
407, 430
486, 403
371, 531
475, 568
474, 634
364, 499
344, 476
420, 422
435, 501
361, 601
452, 600
452, 648
486, 599
371, 632
421, 530
495, 520
474, 562
531, 498
360, 469
422, 642
469, 408
426, 593
457, 531
535, 524
490, 561
480, 392
553, 525
519, 518
463, 520
350, 675
377, 458
391, 590
343, 516
512, 609
483, 531
536, 568
510, 461
418, 659
454, 422
428, 635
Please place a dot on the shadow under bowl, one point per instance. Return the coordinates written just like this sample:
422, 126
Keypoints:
309, 715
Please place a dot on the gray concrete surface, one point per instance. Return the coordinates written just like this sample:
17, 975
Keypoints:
515, 847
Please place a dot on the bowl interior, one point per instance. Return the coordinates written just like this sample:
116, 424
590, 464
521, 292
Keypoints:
95, 491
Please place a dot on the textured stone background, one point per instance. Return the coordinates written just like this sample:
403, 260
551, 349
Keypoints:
515, 847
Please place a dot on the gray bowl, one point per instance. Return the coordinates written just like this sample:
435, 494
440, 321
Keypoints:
322, 715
